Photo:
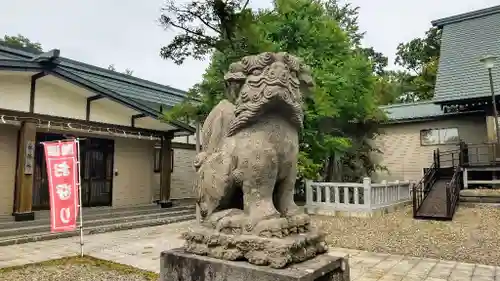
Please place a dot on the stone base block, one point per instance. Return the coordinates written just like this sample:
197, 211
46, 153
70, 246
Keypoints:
165, 204
275, 252
28, 216
178, 265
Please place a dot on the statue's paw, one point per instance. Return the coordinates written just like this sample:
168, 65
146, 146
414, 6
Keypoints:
275, 227
213, 220
232, 224
198, 159
299, 223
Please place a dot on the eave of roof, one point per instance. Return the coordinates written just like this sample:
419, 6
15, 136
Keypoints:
418, 112
404, 111
466, 16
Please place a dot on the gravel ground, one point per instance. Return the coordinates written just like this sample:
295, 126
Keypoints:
76, 269
473, 236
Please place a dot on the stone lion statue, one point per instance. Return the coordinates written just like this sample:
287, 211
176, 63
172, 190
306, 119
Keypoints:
248, 166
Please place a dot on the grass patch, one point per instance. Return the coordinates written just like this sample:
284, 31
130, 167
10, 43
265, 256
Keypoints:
76, 268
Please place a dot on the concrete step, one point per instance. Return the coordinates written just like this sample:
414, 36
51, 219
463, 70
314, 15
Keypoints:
89, 230
105, 210
31, 229
89, 211
90, 216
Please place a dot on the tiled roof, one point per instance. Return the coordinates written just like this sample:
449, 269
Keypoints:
125, 85
465, 39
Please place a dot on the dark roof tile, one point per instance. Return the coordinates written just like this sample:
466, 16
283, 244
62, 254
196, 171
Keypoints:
463, 43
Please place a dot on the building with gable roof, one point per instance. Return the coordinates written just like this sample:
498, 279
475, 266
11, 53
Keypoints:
129, 154
456, 129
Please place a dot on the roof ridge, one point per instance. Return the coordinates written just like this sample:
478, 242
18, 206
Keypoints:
466, 16
14, 51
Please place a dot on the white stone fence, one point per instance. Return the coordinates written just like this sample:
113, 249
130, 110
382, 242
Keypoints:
357, 199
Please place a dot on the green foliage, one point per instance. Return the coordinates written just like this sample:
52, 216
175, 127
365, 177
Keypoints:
325, 35
21, 43
420, 58
378, 60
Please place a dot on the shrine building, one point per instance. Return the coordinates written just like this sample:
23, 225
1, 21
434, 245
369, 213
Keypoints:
130, 156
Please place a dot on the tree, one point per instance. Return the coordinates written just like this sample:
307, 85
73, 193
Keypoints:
205, 26
344, 94
419, 57
378, 60
127, 71
21, 43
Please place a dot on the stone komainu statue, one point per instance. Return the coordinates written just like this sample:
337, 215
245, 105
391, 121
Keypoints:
248, 166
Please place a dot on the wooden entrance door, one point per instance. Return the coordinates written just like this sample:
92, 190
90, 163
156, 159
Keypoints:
96, 157
97, 172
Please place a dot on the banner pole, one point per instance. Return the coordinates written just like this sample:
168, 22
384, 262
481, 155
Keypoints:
80, 196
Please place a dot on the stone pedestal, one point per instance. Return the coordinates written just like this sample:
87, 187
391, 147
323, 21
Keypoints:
178, 265
275, 252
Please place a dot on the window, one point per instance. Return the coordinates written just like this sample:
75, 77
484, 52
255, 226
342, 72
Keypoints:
439, 136
157, 159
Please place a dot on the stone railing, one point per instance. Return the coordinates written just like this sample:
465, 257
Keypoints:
361, 198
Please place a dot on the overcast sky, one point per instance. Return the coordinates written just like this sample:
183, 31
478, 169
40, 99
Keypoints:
126, 32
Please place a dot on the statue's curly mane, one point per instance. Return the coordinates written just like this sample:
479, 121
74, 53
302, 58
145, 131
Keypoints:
265, 82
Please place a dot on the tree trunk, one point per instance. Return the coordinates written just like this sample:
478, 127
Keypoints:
329, 169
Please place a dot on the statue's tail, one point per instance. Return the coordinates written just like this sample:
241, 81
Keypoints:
216, 125
213, 132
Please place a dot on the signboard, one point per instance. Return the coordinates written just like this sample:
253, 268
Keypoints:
29, 156
61, 158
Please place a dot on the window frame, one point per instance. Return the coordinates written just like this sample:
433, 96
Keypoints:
439, 136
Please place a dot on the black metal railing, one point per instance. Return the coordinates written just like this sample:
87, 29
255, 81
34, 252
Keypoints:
423, 187
448, 164
447, 158
485, 154
466, 155
453, 193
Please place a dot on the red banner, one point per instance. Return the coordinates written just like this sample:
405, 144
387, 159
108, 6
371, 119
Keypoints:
61, 158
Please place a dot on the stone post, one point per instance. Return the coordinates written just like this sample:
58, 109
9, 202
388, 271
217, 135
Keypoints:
399, 187
309, 193
367, 191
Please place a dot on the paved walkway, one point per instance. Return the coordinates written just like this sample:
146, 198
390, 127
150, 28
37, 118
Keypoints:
141, 248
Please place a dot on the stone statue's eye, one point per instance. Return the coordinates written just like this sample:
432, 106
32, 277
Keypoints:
256, 72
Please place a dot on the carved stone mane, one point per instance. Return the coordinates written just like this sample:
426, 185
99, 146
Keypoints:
267, 81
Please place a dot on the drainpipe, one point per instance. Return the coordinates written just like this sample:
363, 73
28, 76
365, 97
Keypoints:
495, 112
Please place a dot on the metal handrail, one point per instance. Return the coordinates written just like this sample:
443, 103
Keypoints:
423, 187
470, 154
453, 193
